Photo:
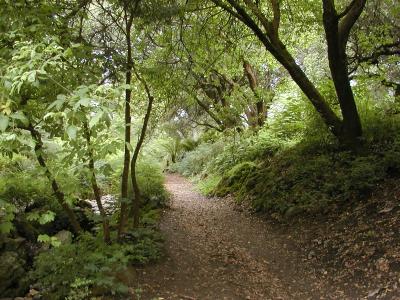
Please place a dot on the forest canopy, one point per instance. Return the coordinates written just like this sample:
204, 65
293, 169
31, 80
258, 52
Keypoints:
292, 106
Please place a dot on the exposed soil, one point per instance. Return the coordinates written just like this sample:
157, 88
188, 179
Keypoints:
217, 250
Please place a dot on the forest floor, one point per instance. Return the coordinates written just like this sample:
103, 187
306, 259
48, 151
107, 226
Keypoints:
216, 249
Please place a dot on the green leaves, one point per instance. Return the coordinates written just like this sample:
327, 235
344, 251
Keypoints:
42, 218
72, 131
58, 103
19, 115
7, 214
93, 121
50, 240
84, 102
4, 121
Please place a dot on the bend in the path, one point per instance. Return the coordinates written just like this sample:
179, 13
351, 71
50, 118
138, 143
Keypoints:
214, 251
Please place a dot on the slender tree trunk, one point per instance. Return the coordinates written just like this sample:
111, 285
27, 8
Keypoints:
128, 96
56, 188
136, 190
252, 78
95, 186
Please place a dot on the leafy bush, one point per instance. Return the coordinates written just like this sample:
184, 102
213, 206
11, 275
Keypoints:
195, 161
151, 183
89, 264
207, 185
24, 189
233, 181
309, 180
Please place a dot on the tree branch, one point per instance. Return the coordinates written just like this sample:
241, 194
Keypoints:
349, 19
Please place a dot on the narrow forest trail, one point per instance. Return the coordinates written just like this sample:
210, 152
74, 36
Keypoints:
216, 251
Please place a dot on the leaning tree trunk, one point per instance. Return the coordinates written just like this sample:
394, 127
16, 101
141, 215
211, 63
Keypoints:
266, 31
54, 184
137, 198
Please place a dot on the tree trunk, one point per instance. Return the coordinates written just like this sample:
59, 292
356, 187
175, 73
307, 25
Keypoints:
252, 78
128, 96
136, 190
318, 101
351, 128
348, 129
95, 186
56, 188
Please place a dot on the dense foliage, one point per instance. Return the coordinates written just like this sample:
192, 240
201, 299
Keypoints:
291, 106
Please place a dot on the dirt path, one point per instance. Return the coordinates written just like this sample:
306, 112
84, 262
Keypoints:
215, 251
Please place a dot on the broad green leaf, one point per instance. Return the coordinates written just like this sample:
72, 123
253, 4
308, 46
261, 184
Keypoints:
19, 115
59, 102
44, 238
47, 217
4, 121
71, 131
55, 242
32, 76
85, 101
93, 121
33, 216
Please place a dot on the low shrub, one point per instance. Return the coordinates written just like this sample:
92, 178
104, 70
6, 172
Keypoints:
151, 183
88, 265
234, 179
208, 184
309, 180
195, 161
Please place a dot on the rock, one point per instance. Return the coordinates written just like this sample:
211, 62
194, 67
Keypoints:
11, 272
64, 236
109, 204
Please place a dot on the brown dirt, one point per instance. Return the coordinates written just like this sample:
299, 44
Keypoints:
216, 249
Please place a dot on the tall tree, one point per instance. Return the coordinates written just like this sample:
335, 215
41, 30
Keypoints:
265, 20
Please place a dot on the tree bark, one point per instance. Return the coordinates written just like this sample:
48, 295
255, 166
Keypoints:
136, 190
336, 37
56, 188
345, 130
253, 82
95, 186
128, 96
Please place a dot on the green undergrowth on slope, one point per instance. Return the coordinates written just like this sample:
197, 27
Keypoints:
296, 173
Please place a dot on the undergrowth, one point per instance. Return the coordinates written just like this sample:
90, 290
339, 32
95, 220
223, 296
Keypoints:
297, 169
91, 266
